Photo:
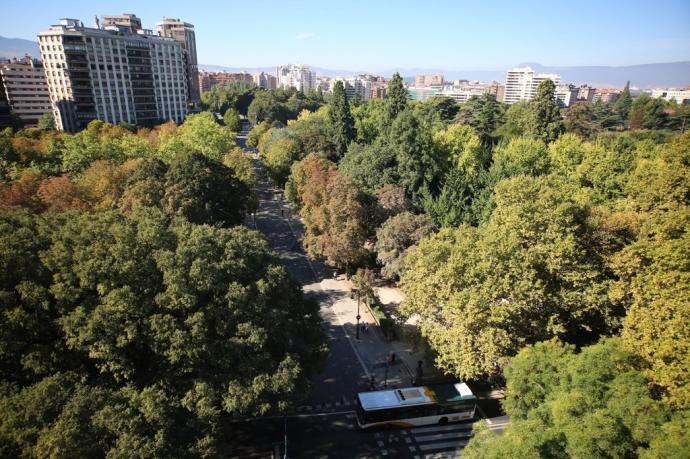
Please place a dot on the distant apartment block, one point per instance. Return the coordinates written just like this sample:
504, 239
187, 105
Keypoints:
298, 76
265, 81
567, 94
606, 95
113, 73
585, 93
26, 90
5, 115
681, 96
207, 80
184, 33
522, 82
421, 81
361, 87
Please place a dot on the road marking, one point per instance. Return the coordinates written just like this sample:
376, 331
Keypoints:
291, 416
445, 428
443, 436
449, 444
443, 455
380, 443
408, 440
328, 405
384, 452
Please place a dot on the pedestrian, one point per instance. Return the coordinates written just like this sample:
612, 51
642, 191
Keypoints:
281, 212
365, 327
372, 383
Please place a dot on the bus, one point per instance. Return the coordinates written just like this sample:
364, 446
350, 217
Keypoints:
416, 406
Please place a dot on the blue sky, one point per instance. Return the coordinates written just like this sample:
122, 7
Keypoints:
378, 35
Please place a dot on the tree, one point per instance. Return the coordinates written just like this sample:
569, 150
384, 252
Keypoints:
242, 166
647, 113
205, 192
370, 166
341, 123
517, 121
232, 119
592, 404
333, 215
522, 156
201, 132
279, 157
392, 200
578, 119
59, 194
460, 147
533, 272
46, 122
545, 117
395, 237
623, 104
484, 114
256, 133
98, 362
396, 97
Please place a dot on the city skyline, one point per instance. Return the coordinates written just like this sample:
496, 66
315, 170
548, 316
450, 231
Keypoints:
377, 38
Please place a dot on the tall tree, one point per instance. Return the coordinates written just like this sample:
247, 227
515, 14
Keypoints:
397, 97
624, 103
546, 122
341, 123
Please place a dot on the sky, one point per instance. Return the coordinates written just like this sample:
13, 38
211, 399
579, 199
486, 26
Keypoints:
378, 35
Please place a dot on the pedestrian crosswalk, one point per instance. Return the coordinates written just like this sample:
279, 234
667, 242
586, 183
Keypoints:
438, 442
342, 403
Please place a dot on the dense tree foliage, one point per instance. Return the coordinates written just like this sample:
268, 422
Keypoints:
545, 120
395, 236
592, 404
237, 95
332, 211
134, 335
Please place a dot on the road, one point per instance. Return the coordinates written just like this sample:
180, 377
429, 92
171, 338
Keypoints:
325, 425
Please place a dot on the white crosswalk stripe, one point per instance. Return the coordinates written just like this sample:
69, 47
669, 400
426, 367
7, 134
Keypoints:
440, 442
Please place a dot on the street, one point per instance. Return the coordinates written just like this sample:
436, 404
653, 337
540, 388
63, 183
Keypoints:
325, 426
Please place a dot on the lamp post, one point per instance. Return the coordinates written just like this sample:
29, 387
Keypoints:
358, 316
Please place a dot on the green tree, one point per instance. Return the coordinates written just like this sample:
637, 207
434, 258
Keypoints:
97, 362
592, 404
533, 272
202, 133
232, 119
341, 123
578, 119
484, 114
46, 122
624, 103
242, 166
517, 120
205, 192
396, 97
546, 122
647, 113
395, 237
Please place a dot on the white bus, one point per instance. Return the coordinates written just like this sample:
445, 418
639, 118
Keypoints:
416, 406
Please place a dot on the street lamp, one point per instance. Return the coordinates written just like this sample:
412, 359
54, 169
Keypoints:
358, 316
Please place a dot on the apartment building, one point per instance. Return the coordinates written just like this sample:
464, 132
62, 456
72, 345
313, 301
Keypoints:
265, 81
297, 76
422, 81
207, 80
522, 83
681, 96
606, 95
184, 33
567, 94
26, 90
112, 73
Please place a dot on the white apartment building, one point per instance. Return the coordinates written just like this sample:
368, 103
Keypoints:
264, 80
681, 96
112, 74
184, 33
25, 87
566, 94
522, 83
297, 76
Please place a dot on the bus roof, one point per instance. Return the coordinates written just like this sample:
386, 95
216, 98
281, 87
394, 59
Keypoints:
409, 396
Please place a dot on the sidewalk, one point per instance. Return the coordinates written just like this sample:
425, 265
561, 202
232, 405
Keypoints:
371, 347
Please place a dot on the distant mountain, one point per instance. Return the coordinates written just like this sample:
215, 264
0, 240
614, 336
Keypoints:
671, 74
18, 47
